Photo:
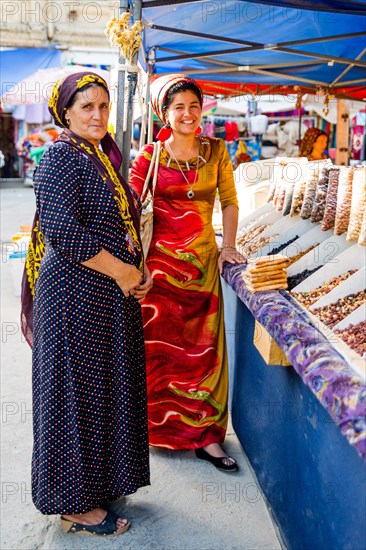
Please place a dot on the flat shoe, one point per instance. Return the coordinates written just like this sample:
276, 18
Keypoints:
107, 528
218, 462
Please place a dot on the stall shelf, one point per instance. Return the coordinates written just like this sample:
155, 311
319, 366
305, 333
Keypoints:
302, 426
330, 377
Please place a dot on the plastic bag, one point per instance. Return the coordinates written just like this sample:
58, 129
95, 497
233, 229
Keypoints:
331, 200
299, 190
358, 203
343, 200
318, 209
362, 236
315, 167
280, 188
294, 172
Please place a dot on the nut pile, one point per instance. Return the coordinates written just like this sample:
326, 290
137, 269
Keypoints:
331, 314
266, 273
251, 248
309, 298
355, 337
295, 280
250, 234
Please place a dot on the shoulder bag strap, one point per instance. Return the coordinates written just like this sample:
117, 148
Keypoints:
157, 148
148, 175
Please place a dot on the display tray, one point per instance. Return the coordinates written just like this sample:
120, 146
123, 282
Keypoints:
307, 239
268, 219
330, 246
354, 283
262, 210
282, 224
355, 361
347, 259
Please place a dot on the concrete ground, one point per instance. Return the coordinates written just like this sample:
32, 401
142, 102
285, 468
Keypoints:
189, 505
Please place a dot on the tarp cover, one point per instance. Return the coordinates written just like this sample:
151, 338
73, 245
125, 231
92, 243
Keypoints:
18, 64
260, 43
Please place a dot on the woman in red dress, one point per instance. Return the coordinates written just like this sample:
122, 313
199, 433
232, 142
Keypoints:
183, 314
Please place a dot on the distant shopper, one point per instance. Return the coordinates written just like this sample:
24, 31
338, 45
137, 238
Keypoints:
85, 271
314, 144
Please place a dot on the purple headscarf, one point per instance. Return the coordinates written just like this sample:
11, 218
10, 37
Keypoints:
107, 163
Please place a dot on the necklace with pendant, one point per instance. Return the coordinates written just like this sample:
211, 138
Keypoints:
190, 192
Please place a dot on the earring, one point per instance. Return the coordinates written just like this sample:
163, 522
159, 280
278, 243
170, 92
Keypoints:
67, 120
198, 131
164, 133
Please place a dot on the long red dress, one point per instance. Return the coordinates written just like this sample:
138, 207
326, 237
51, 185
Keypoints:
183, 312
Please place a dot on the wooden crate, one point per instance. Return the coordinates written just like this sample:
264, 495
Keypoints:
268, 348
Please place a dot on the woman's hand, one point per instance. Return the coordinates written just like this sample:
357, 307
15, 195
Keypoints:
129, 279
140, 291
231, 255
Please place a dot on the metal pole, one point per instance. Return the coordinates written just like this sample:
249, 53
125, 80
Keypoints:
150, 126
132, 82
120, 107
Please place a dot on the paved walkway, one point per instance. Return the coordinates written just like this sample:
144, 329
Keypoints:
189, 505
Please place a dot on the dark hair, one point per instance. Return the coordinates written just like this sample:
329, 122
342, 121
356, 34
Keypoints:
179, 87
83, 89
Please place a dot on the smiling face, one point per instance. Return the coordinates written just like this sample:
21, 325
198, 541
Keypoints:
89, 114
184, 113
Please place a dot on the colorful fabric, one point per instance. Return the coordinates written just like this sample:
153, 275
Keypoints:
183, 312
107, 162
338, 388
231, 130
89, 379
307, 142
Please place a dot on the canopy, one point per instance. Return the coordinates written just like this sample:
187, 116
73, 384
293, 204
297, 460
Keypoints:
38, 86
236, 47
18, 64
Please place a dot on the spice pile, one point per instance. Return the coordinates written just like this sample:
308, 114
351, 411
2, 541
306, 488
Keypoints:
309, 298
266, 273
333, 313
295, 280
355, 337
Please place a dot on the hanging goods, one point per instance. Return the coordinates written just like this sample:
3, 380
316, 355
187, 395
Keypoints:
147, 199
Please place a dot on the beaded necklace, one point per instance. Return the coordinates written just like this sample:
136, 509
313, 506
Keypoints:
190, 192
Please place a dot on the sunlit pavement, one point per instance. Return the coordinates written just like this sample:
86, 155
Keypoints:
189, 505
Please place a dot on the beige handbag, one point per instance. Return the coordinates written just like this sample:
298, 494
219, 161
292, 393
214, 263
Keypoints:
147, 199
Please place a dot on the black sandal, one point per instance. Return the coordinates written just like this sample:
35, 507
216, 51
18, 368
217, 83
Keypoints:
107, 528
218, 462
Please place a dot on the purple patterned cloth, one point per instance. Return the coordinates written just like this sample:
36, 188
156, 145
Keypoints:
339, 389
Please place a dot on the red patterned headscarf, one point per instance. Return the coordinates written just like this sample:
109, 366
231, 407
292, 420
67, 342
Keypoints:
159, 90
307, 142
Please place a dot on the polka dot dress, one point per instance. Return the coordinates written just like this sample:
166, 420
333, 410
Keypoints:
89, 391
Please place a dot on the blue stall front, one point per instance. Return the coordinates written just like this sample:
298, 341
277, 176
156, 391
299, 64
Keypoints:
301, 426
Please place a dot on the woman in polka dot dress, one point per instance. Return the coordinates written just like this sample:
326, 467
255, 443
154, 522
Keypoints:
83, 283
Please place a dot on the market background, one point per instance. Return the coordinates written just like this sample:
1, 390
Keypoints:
40, 42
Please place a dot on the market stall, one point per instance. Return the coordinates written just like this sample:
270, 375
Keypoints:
302, 426
298, 352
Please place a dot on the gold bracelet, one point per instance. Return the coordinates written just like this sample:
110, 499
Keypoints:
223, 246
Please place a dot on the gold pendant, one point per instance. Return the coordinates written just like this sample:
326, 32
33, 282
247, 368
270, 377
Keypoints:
190, 194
